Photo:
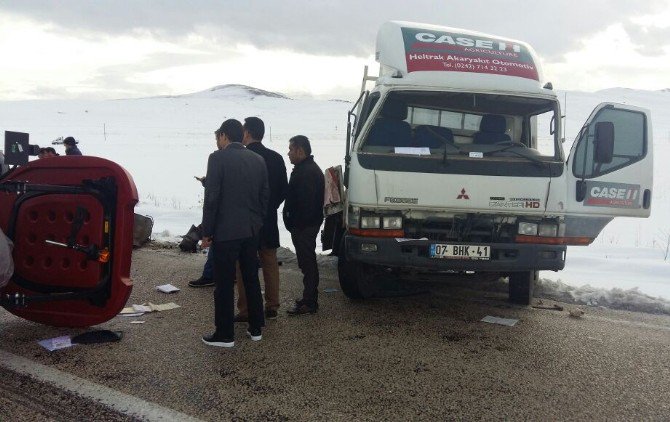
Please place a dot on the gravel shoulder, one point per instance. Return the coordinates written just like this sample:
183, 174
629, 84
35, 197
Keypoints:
421, 357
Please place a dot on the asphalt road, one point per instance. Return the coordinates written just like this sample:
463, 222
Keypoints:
423, 357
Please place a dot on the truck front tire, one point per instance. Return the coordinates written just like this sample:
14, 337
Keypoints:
356, 278
521, 286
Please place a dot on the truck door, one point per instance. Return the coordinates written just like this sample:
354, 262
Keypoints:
71, 222
610, 169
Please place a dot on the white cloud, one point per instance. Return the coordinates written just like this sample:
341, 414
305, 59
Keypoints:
610, 59
81, 48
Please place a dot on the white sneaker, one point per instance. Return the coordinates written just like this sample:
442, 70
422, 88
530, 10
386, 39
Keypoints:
254, 335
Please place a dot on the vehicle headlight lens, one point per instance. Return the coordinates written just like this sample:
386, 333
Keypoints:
528, 229
392, 222
370, 222
548, 229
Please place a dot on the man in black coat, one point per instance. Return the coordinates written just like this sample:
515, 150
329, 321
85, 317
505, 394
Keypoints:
71, 146
236, 200
254, 130
303, 215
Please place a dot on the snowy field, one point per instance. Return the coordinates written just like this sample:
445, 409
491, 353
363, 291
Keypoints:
164, 141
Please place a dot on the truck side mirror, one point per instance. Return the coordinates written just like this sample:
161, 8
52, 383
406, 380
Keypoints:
604, 142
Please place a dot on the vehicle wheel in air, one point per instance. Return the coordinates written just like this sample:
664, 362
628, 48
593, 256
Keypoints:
521, 285
356, 278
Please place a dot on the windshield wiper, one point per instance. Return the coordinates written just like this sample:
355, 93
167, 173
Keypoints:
446, 143
509, 148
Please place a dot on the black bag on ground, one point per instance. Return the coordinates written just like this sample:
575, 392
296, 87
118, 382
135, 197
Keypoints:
189, 241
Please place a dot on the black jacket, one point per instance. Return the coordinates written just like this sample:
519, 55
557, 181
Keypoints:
72, 151
278, 183
304, 198
236, 194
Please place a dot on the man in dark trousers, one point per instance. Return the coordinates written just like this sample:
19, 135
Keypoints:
71, 146
236, 200
254, 130
303, 215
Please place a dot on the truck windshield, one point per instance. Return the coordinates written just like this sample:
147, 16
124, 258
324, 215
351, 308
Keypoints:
464, 125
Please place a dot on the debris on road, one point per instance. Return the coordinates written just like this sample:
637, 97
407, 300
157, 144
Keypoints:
56, 343
98, 336
553, 307
510, 322
167, 288
576, 313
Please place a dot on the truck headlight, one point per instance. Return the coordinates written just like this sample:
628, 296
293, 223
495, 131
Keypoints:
548, 230
370, 222
527, 229
392, 222
353, 217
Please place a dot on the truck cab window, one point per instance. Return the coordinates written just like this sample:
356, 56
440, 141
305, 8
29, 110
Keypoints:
368, 105
431, 120
629, 145
541, 137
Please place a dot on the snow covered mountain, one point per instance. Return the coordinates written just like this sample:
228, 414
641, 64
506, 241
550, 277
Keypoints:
234, 90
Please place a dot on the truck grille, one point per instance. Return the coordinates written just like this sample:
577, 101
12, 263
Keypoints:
471, 228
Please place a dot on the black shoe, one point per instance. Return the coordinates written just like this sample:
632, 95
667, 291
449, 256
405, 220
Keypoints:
302, 309
201, 282
254, 334
270, 314
241, 318
218, 341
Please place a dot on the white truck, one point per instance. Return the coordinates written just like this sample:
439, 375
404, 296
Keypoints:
454, 163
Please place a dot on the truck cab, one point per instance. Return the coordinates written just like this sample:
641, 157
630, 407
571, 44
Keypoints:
455, 162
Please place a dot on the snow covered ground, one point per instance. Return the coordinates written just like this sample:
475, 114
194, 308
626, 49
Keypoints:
164, 141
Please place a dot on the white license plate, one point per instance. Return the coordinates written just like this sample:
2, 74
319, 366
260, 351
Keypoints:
460, 251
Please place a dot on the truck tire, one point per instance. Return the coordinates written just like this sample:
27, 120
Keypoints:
356, 278
521, 286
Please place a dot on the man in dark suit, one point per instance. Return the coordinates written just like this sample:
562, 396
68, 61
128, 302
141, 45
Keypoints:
254, 130
236, 200
303, 215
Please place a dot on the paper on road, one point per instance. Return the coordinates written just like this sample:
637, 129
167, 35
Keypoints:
56, 343
502, 321
167, 288
139, 310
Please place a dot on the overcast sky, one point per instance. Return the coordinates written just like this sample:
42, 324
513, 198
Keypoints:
120, 49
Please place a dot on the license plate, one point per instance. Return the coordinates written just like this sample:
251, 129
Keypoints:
460, 251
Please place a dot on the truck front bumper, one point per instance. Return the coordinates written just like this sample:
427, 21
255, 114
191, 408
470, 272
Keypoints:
414, 254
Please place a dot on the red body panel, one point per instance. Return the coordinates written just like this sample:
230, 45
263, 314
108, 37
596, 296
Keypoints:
50, 217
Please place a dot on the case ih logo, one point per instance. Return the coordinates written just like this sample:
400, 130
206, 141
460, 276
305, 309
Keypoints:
612, 195
463, 195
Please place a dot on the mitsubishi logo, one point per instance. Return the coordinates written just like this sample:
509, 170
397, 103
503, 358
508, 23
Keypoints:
463, 195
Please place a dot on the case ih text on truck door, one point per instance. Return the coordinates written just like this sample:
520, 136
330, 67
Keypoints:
454, 162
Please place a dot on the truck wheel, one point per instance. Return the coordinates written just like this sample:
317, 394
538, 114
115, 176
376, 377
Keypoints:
521, 285
356, 279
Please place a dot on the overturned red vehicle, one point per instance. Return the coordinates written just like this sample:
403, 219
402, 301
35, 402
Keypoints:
71, 221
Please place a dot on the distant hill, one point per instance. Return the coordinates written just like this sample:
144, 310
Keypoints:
234, 90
